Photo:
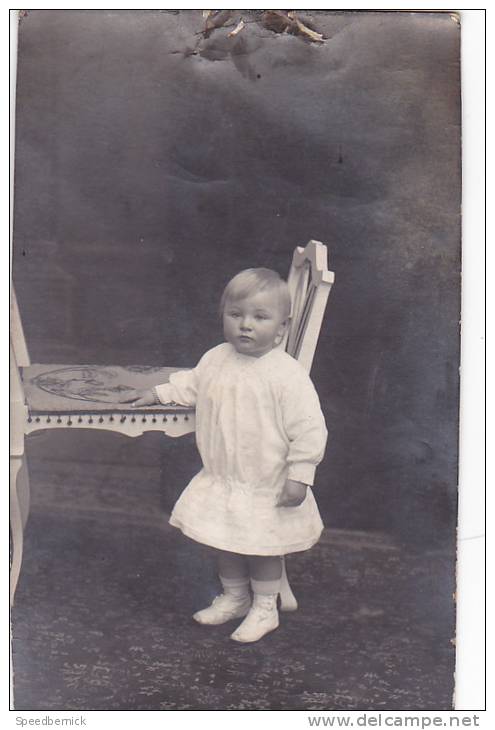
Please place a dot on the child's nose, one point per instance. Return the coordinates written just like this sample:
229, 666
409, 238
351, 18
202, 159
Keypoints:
246, 323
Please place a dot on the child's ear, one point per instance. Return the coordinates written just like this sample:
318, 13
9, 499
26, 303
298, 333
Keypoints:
282, 330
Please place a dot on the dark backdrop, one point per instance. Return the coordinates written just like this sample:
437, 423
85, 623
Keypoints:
151, 168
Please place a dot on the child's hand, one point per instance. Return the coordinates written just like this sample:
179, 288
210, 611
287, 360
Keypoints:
139, 398
293, 494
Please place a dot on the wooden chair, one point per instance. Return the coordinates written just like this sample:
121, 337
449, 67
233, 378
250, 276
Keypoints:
83, 396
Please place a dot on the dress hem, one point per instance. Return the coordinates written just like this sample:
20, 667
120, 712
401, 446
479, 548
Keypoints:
239, 550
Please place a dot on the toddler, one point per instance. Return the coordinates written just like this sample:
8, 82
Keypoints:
260, 433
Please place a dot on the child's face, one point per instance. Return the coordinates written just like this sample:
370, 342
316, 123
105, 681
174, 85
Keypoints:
254, 325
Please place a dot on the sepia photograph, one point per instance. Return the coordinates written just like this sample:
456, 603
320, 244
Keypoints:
235, 352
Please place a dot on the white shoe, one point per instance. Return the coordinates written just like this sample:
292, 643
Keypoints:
261, 619
224, 608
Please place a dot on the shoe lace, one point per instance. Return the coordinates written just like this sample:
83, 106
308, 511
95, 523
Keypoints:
226, 598
265, 605
218, 598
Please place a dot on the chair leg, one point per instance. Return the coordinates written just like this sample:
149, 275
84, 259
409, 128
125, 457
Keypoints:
288, 600
19, 509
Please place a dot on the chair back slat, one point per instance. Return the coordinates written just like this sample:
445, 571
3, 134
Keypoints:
304, 320
298, 284
309, 283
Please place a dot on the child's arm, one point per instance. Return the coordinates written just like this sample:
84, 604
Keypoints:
141, 398
305, 427
182, 388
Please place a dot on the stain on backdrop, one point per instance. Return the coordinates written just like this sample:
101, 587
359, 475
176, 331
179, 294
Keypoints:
153, 163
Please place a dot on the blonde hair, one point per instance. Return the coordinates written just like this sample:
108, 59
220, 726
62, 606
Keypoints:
251, 281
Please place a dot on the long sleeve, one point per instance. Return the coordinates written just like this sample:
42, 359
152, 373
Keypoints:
183, 385
305, 426
182, 388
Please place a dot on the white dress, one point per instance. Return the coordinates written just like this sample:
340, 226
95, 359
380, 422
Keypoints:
258, 423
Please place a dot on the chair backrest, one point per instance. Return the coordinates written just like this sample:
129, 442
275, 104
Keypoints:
309, 282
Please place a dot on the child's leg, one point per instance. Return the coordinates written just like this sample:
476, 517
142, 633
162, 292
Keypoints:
231, 565
266, 572
265, 567
235, 600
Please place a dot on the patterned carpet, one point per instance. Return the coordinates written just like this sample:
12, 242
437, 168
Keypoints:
102, 622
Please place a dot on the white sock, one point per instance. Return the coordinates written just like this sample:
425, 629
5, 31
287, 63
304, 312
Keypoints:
236, 587
266, 587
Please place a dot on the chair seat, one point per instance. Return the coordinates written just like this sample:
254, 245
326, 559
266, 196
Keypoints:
59, 389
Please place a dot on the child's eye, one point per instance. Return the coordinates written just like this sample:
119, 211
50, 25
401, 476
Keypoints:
261, 316
234, 314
